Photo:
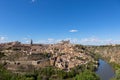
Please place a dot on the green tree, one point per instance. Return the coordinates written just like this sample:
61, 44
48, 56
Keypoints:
39, 77
87, 75
117, 76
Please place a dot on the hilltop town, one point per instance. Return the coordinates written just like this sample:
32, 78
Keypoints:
19, 57
61, 61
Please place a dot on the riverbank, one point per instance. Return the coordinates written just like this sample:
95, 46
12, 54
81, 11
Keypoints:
82, 72
115, 67
117, 71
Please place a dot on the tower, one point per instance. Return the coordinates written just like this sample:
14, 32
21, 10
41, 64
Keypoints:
31, 42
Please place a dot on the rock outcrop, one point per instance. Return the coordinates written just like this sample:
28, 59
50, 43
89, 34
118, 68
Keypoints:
109, 52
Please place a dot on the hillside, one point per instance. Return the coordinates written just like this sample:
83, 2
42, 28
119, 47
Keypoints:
63, 55
108, 52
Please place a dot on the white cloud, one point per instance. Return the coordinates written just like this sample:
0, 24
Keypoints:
85, 41
33, 1
50, 40
73, 30
46, 41
111, 41
90, 40
97, 41
26, 40
3, 39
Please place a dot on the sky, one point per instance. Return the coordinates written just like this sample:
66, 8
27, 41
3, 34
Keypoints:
90, 22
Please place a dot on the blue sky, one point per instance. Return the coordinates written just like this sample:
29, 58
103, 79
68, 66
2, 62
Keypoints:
81, 21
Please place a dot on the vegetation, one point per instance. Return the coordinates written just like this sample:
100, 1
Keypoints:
117, 76
51, 73
87, 75
1, 55
117, 71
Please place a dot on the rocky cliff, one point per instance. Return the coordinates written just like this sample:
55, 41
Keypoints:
109, 52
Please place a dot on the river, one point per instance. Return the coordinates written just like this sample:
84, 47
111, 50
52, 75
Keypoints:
105, 71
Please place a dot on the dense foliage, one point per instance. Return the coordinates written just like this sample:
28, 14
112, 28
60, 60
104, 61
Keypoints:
87, 75
117, 71
50, 73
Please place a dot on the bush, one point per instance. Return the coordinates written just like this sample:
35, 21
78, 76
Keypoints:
87, 75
